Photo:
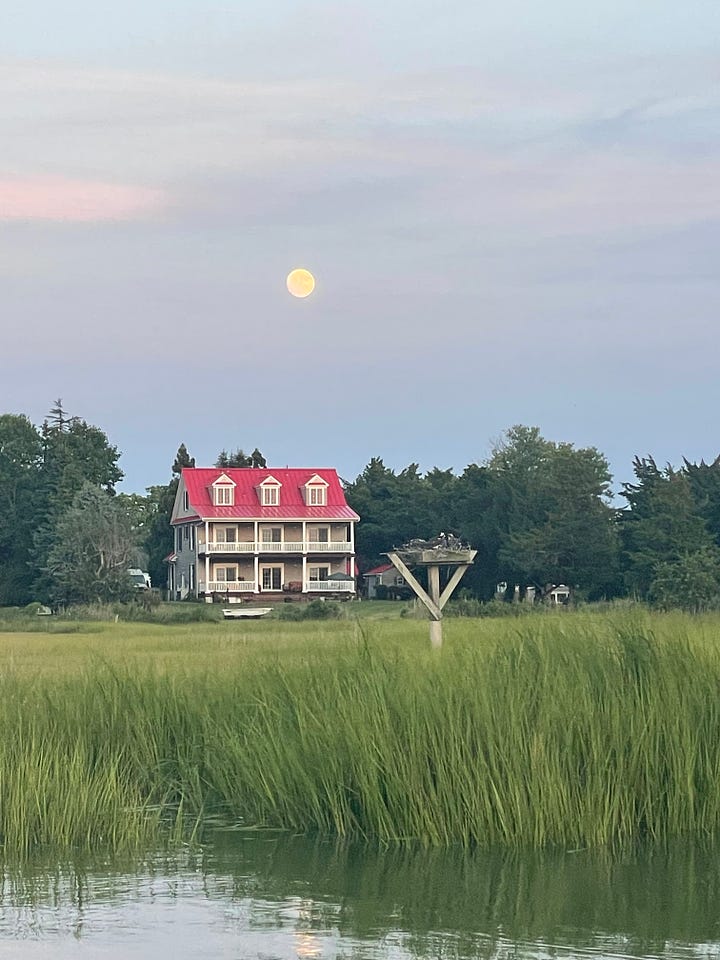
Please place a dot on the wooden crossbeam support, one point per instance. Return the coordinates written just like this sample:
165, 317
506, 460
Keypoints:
434, 601
452, 583
433, 609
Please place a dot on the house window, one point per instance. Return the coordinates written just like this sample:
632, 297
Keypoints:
225, 534
272, 535
224, 496
191, 575
178, 539
320, 535
186, 500
270, 496
271, 577
186, 533
319, 573
316, 496
192, 538
226, 574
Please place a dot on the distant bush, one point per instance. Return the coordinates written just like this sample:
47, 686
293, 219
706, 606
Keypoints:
142, 611
315, 610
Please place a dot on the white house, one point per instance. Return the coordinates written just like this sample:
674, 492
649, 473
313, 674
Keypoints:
246, 532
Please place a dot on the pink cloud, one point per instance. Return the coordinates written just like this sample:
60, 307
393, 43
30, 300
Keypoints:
75, 201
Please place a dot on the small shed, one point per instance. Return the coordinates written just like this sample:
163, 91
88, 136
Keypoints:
559, 595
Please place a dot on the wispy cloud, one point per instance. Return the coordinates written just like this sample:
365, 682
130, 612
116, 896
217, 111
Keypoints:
75, 201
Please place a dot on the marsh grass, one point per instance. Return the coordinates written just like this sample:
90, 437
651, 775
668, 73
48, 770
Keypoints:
571, 730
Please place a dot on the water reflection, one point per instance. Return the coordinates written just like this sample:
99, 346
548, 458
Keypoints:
273, 896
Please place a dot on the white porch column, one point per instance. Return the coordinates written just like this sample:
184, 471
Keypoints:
257, 569
255, 535
304, 571
304, 536
207, 557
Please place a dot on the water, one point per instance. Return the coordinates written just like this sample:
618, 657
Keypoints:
262, 895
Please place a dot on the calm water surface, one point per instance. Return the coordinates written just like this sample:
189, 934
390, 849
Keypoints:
268, 896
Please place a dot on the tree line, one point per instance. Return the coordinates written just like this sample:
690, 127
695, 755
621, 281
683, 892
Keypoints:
538, 512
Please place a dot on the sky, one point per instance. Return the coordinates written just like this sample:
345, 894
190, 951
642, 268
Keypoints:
512, 212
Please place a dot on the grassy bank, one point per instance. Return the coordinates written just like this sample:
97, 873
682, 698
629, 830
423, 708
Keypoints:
572, 729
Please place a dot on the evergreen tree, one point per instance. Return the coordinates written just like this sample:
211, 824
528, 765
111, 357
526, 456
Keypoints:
182, 460
73, 453
704, 479
158, 541
20, 461
238, 458
662, 526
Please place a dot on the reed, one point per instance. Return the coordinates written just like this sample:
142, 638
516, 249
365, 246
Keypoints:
573, 730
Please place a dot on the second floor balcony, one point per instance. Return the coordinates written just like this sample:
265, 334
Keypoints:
250, 586
275, 547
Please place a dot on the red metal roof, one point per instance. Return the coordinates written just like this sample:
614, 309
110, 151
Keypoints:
382, 569
198, 483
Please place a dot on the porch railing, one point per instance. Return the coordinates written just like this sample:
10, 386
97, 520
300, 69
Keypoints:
286, 546
228, 586
250, 586
330, 586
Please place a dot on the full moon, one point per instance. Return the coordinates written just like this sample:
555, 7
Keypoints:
300, 283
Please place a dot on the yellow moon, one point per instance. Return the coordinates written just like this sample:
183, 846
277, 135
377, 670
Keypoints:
300, 283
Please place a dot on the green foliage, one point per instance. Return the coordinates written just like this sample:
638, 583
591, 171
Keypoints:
554, 730
558, 525
158, 534
238, 458
662, 526
182, 460
314, 610
20, 462
537, 513
471, 607
93, 546
690, 582
704, 480
75, 452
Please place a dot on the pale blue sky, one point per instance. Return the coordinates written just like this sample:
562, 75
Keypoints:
512, 212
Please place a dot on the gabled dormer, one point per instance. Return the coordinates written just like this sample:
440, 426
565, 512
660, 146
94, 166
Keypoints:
269, 492
223, 491
315, 491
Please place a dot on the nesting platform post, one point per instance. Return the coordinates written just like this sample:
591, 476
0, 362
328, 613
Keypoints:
433, 600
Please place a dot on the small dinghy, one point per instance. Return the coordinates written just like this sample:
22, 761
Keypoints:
245, 613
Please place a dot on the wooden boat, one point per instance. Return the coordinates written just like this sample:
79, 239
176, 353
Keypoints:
245, 613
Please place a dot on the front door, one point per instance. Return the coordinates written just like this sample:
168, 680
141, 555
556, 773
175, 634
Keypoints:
271, 577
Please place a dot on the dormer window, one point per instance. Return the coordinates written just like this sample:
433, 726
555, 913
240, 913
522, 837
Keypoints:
223, 491
224, 496
316, 492
269, 492
270, 496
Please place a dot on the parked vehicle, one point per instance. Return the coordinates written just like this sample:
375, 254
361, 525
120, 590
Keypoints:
140, 579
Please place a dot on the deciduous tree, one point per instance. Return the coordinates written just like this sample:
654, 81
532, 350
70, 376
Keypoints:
92, 549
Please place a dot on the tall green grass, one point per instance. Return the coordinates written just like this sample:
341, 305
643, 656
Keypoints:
567, 730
